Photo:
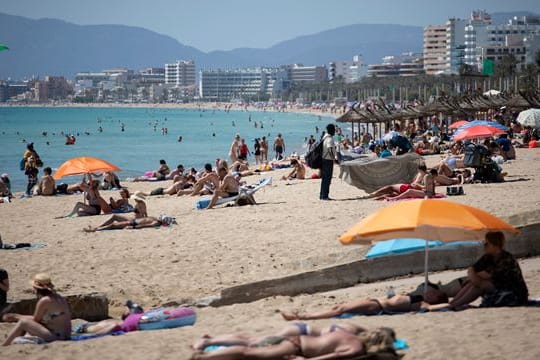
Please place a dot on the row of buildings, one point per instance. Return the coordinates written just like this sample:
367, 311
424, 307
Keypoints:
446, 49
472, 41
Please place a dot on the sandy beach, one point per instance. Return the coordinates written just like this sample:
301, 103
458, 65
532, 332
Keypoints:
289, 231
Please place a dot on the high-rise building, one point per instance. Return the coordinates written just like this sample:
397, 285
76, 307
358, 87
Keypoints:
455, 45
435, 50
181, 73
348, 71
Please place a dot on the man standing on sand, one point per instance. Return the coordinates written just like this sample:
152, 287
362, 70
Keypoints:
329, 156
279, 147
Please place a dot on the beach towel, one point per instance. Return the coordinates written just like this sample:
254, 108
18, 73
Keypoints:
371, 174
435, 196
245, 192
25, 246
82, 337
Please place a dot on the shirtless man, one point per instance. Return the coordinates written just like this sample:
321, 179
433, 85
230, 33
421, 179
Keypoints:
46, 186
279, 147
298, 172
209, 179
228, 186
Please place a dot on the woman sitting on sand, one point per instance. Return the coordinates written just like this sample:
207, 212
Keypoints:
52, 317
95, 202
121, 205
496, 276
332, 345
298, 172
373, 306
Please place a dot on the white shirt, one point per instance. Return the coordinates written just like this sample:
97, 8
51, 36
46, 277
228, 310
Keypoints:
329, 148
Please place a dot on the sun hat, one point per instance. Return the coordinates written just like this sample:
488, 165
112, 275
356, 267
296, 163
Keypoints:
138, 196
42, 281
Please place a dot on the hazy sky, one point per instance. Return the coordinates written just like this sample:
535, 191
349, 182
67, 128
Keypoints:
226, 24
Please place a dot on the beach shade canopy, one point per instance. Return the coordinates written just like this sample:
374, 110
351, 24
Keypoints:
399, 246
3, 47
428, 219
477, 132
529, 117
458, 124
389, 135
83, 165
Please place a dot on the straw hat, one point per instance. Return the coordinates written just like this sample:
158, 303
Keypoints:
42, 281
138, 196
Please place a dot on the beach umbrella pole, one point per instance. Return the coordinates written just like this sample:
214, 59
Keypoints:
426, 251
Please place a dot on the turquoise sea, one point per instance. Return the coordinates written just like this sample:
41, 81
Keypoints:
206, 135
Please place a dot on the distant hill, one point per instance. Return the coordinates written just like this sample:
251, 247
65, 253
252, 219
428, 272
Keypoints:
55, 47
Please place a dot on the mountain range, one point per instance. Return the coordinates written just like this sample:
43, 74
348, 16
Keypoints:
55, 47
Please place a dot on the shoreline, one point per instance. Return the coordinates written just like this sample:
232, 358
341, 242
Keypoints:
186, 106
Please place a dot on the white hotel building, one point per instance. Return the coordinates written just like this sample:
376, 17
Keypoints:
181, 73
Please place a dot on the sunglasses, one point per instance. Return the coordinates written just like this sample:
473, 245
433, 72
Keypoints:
485, 243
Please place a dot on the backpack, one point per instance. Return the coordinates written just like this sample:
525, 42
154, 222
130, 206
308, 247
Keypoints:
475, 155
22, 164
314, 155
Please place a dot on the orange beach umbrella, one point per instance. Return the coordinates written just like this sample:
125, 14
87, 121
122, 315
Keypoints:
83, 165
429, 219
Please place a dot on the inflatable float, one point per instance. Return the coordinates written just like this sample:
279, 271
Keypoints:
167, 318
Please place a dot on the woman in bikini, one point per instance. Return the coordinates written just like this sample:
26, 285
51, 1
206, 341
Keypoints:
398, 189
395, 304
295, 329
52, 317
95, 202
332, 345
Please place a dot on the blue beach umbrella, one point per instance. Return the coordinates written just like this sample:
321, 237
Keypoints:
481, 123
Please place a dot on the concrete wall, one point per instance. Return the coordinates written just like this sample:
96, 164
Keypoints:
90, 307
526, 244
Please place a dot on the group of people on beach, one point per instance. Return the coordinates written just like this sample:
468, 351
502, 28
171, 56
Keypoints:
496, 278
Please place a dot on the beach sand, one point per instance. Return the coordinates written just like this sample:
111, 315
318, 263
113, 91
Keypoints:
290, 231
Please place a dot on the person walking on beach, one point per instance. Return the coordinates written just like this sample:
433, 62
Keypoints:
279, 147
233, 151
257, 152
329, 156
264, 149
31, 171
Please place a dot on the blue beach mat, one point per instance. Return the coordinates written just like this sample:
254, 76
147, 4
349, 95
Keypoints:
399, 344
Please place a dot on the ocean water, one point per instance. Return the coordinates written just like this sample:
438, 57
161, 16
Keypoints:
206, 135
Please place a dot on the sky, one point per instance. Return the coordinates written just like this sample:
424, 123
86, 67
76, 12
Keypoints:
227, 24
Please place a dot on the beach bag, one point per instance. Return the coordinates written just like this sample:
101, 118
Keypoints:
314, 155
474, 155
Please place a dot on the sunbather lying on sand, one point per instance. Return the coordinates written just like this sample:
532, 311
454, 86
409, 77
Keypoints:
333, 345
295, 329
117, 224
373, 306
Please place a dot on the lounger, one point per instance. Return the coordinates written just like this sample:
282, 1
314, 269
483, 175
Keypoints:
246, 192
